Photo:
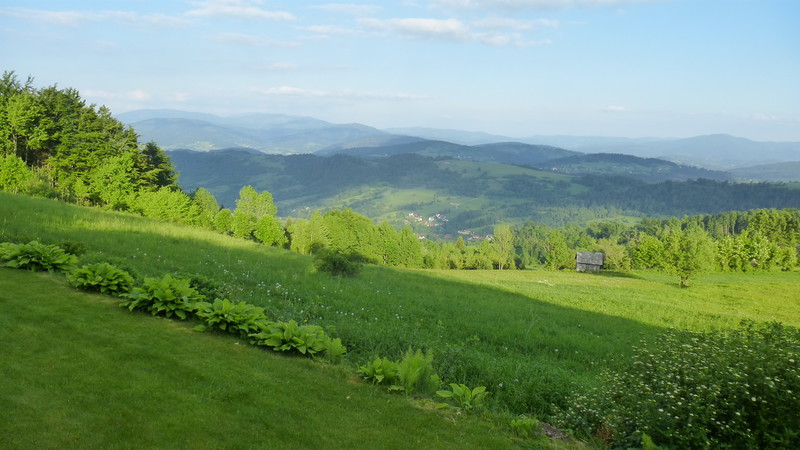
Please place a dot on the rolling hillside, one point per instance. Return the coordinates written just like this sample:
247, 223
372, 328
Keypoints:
651, 170
472, 195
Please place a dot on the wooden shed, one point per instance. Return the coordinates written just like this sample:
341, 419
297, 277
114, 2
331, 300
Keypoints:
589, 261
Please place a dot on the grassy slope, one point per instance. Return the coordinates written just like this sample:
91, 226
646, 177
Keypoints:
80, 372
532, 337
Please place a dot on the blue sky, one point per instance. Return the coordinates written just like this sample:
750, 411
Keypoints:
666, 68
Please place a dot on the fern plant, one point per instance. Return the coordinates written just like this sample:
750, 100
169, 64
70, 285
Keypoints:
37, 256
240, 319
415, 373
101, 277
167, 296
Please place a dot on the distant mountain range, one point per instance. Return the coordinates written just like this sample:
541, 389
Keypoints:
282, 134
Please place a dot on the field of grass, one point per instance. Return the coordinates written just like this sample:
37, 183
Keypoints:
531, 337
80, 372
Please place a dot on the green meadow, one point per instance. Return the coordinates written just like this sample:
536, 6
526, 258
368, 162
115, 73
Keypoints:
533, 338
79, 372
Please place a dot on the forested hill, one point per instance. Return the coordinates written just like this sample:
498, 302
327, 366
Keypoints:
515, 153
470, 194
645, 169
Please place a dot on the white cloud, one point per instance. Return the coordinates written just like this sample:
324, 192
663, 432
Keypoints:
495, 23
448, 29
249, 39
513, 39
236, 8
451, 29
350, 8
615, 108
498, 23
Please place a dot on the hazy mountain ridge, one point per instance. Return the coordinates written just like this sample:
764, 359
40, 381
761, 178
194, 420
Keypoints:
283, 134
778, 172
651, 170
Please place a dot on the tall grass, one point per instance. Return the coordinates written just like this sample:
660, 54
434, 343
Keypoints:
531, 337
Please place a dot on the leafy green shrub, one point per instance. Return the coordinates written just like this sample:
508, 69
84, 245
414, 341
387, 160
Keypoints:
102, 277
739, 389
240, 318
464, 398
204, 285
306, 339
168, 296
524, 426
338, 263
77, 248
415, 373
37, 256
379, 371
120, 263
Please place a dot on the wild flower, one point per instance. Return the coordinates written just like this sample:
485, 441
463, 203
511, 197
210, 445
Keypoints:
693, 389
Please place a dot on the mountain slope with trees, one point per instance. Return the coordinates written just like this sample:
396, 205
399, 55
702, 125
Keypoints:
471, 195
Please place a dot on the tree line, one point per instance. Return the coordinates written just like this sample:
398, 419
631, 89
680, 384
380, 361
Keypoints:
53, 144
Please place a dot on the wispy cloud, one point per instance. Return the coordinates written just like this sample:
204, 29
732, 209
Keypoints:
329, 30
247, 9
342, 94
251, 40
762, 117
449, 30
349, 8
529, 4
615, 108
77, 18
136, 95
499, 23
281, 66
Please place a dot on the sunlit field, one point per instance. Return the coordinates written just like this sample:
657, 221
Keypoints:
531, 337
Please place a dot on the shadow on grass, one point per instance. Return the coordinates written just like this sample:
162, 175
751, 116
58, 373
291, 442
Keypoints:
617, 274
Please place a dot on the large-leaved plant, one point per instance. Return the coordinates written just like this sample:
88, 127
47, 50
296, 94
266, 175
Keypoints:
102, 277
167, 296
37, 256
240, 318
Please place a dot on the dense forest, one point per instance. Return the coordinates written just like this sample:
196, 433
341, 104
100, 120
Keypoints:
473, 195
54, 145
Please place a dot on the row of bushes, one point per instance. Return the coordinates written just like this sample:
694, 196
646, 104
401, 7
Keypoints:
176, 297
